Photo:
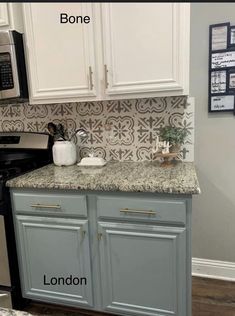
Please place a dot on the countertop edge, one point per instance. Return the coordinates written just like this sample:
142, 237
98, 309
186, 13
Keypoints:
107, 183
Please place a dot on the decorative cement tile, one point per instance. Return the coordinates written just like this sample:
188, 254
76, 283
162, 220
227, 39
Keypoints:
121, 130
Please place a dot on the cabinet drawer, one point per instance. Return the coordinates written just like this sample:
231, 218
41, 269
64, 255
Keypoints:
55, 203
142, 208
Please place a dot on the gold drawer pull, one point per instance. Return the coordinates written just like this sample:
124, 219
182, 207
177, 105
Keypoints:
58, 207
143, 212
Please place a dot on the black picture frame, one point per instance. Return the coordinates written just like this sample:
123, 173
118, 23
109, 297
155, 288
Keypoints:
221, 64
223, 59
218, 82
231, 40
221, 103
216, 44
231, 80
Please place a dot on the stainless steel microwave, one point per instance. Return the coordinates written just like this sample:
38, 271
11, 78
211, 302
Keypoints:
13, 80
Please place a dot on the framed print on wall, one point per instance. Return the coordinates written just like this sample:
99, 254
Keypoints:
219, 36
224, 59
232, 36
218, 82
222, 103
221, 90
231, 80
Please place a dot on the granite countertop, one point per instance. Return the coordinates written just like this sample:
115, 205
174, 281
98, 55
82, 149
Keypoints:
146, 176
11, 312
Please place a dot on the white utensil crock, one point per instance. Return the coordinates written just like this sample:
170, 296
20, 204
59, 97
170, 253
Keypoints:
64, 153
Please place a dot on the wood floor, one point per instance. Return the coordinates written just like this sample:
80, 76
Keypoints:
213, 297
210, 298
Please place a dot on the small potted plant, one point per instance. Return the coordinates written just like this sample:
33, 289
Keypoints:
174, 135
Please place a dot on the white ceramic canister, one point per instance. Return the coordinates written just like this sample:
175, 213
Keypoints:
64, 153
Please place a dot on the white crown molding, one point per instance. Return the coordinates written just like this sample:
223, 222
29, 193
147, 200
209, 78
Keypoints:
213, 269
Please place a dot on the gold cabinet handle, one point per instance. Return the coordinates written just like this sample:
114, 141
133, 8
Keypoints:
99, 235
142, 212
58, 207
106, 76
91, 78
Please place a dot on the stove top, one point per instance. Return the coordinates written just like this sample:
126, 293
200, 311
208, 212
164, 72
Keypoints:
9, 172
21, 152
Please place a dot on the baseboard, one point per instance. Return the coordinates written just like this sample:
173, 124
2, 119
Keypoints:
213, 269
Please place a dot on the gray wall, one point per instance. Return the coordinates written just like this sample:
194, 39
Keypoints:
214, 209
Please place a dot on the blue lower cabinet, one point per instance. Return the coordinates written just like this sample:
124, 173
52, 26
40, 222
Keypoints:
54, 260
130, 255
143, 269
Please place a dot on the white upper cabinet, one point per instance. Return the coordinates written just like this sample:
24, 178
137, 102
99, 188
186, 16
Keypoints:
61, 60
11, 16
128, 50
146, 48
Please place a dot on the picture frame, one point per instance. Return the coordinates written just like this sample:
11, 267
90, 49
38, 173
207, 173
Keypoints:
223, 59
232, 36
231, 80
221, 85
218, 82
219, 36
221, 103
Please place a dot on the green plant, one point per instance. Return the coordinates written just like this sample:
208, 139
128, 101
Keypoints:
173, 135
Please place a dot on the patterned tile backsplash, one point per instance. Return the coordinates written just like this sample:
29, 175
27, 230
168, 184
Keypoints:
118, 130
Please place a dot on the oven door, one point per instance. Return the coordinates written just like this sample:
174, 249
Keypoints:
5, 279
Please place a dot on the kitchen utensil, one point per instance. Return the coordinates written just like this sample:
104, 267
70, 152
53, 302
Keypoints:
80, 132
51, 128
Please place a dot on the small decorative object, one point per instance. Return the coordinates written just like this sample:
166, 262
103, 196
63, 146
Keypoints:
168, 149
64, 153
167, 159
64, 150
166, 146
175, 136
162, 146
92, 161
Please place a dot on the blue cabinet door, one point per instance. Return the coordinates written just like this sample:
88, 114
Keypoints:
54, 260
143, 269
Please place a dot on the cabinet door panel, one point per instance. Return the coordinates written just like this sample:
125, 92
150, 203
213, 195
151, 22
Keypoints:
59, 54
4, 18
143, 269
54, 248
148, 50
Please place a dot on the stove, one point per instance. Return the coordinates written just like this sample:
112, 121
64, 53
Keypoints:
20, 152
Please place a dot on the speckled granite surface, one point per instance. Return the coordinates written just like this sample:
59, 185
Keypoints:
11, 312
144, 176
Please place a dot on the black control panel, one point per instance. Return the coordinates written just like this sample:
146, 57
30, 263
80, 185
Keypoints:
6, 75
8, 140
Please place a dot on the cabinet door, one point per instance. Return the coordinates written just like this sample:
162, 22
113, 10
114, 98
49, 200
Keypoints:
4, 18
54, 260
143, 269
146, 48
11, 16
61, 60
